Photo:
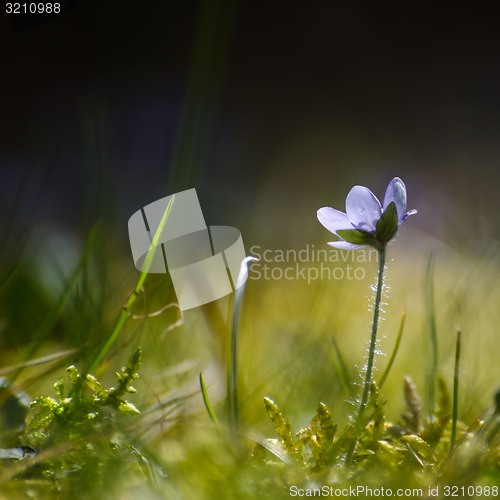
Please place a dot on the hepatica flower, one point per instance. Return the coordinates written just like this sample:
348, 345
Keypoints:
367, 222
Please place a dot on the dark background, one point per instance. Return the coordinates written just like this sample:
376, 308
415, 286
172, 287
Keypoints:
269, 109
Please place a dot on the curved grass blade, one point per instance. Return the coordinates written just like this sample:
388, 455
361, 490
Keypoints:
39, 361
124, 315
208, 406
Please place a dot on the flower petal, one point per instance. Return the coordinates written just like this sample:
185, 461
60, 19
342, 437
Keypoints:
363, 208
344, 245
333, 219
407, 214
396, 192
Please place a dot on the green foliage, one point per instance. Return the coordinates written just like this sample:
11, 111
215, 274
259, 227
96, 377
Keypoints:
313, 446
419, 446
85, 409
85, 439
80, 431
282, 426
413, 403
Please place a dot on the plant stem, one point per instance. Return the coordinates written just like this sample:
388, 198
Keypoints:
232, 386
232, 391
373, 341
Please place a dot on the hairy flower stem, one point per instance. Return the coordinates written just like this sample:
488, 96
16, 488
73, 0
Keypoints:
373, 341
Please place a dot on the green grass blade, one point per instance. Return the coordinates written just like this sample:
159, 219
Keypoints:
39, 361
341, 368
142, 278
208, 64
57, 309
431, 324
208, 406
8, 276
394, 351
455, 391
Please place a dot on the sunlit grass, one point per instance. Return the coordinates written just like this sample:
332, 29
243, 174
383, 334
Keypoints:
285, 335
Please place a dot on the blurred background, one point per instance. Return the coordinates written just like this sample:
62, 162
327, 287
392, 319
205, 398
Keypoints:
262, 107
270, 110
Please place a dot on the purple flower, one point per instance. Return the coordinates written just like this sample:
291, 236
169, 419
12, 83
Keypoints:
366, 222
